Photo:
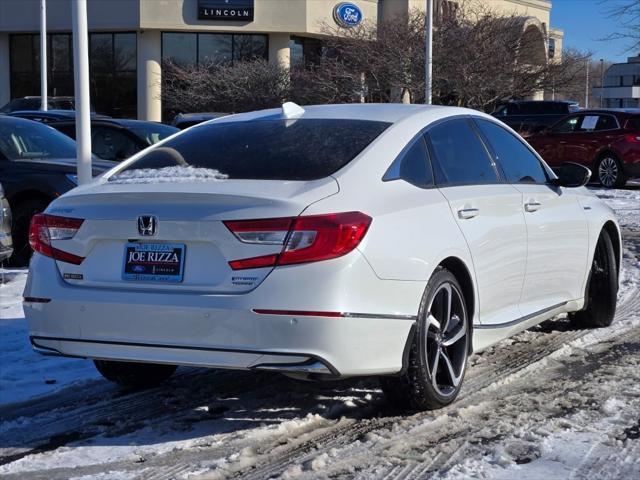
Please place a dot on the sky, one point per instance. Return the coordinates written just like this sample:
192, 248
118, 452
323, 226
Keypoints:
585, 22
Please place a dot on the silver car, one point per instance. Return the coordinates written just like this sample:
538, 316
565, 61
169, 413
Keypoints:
6, 244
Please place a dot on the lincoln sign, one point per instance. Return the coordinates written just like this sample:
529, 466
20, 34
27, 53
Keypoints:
235, 10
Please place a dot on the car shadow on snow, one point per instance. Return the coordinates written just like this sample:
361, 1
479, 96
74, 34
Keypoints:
191, 407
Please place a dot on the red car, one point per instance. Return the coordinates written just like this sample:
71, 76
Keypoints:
606, 141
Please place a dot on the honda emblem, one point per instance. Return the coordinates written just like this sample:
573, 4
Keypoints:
147, 225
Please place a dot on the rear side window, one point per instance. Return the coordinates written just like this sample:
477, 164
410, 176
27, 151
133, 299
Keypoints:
459, 156
412, 165
634, 123
304, 149
517, 161
606, 122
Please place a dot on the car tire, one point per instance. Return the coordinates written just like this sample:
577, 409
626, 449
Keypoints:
134, 375
438, 356
22, 214
609, 172
602, 289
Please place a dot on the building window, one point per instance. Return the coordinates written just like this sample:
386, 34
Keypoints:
25, 65
212, 48
112, 64
306, 51
112, 59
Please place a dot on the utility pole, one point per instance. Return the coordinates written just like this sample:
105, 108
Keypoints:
428, 59
81, 89
601, 82
586, 88
43, 55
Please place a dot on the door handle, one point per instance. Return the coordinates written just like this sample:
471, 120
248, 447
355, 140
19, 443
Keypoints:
467, 213
532, 206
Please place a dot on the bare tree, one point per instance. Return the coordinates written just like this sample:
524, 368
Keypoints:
627, 12
237, 87
480, 58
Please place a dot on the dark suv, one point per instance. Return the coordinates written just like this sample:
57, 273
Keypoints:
527, 116
607, 141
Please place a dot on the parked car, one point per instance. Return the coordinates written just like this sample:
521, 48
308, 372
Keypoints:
527, 116
606, 141
331, 241
50, 116
34, 103
118, 139
6, 244
37, 164
186, 120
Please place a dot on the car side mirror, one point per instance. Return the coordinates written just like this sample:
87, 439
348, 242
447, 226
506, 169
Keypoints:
572, 175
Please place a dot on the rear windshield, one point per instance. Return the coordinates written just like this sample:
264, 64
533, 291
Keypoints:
543, 108
152, 132
304, 149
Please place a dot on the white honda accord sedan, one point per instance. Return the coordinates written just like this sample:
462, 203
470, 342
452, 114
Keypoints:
325, 241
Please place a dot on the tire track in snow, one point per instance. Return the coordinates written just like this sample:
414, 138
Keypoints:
272, 459
120, 411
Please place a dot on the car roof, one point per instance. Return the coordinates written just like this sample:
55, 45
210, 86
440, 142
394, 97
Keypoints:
626, 111
120, 122
50, 113
555, 102
31, 97
383, 112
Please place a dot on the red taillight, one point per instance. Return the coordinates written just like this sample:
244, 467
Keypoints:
304, 239
45, 228
632, 137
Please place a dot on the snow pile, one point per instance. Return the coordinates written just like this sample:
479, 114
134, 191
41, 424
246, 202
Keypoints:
23, 373
176, 174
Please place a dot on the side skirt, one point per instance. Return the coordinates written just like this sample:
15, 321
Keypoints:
485, 335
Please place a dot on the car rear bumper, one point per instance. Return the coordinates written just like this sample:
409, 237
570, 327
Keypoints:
224, 331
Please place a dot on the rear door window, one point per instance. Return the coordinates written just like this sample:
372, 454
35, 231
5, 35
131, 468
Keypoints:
518, 163
459, 156
112, 144
567, 125
303, 149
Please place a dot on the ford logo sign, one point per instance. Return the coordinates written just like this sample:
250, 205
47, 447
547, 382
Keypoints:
138, 268
347, 15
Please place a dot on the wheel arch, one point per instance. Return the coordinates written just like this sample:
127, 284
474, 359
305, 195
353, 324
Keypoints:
29, 194
462, 273
611, 229
603, 153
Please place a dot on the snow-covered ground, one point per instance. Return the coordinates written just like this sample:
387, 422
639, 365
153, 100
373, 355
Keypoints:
553, 402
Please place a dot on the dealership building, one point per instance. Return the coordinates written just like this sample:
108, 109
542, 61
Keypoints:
130, 39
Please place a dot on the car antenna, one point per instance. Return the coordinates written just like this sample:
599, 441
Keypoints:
291, 110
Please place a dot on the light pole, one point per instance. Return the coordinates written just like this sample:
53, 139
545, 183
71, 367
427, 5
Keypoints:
43, 55
428, 59
601, 82
81, 89
586, 88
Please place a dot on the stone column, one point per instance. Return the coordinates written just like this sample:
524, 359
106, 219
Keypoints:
279, 51
5, 79
149, 75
